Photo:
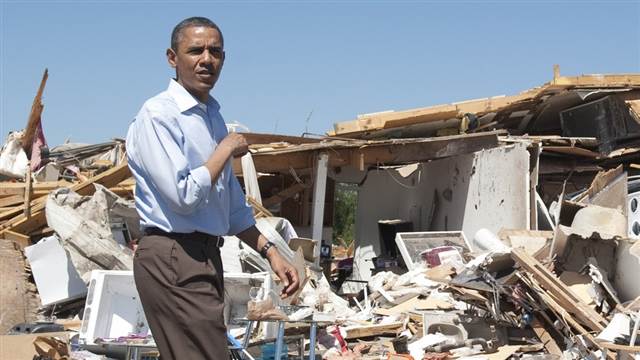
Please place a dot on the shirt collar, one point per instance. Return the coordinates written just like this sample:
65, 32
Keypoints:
185, 100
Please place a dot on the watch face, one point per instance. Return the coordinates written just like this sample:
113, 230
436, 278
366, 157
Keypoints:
266, 248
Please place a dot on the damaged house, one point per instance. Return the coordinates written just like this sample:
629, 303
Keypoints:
494, 228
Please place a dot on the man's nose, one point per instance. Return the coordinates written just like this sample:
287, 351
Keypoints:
207, 57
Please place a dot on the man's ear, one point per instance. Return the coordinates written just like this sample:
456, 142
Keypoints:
171, 57
224, 56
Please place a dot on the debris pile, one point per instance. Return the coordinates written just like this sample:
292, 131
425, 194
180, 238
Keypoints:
500, 228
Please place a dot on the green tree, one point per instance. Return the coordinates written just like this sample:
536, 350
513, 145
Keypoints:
346, 201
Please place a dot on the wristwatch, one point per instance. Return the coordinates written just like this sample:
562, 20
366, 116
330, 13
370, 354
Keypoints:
265, 248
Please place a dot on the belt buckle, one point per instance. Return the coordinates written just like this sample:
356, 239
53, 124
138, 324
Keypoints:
219, 241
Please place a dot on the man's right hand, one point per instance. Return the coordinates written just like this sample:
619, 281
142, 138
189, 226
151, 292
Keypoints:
236, 144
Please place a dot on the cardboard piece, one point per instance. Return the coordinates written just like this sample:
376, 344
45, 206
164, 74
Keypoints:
20, 347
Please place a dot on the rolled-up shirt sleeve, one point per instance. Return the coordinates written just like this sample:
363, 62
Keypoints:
184, 189
241, 214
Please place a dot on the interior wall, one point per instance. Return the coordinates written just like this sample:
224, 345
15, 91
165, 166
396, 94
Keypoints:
486, 189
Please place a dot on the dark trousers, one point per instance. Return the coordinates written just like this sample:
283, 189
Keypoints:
179, 279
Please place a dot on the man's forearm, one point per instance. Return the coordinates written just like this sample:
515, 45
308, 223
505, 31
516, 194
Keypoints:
233, 144
216, 162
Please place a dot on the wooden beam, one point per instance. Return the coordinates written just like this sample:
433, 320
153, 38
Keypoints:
123, 189
256, 138
11, 200
27, 191
617, 347
599, 80
21, 239
375, 152
397, 118
546, 338
284, 195
258, 210
39, 189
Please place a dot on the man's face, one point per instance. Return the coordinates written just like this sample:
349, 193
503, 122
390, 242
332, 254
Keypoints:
198, 60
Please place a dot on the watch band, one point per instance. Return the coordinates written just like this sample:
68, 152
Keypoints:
265, 248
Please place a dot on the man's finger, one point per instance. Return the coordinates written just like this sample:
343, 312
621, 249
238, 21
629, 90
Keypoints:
285, 283
293, 284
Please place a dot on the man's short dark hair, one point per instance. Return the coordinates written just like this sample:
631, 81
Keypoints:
192, 21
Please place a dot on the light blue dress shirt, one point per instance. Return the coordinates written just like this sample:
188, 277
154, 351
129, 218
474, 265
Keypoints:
168, 143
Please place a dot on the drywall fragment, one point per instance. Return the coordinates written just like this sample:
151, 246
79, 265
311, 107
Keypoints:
56, 277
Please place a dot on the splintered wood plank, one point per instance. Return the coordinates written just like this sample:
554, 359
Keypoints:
504, 352
546, 338
566, 298
11, 200
34, 116
259, 210
283, 195
617, 347
572, 150
413, 304
39, 189
372, 330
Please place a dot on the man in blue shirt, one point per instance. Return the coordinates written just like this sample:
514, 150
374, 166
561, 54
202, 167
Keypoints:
187, 196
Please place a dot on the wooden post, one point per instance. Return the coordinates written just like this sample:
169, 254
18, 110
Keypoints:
556, 73
319, 190
27, 191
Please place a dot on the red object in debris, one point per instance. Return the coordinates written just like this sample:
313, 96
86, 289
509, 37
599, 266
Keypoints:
336, 333
433, 256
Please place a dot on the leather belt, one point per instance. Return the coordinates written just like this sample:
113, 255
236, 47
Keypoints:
218, 241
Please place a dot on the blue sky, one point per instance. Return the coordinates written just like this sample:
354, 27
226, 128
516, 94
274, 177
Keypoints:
286, 59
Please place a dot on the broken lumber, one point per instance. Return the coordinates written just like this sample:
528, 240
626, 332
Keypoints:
372, 330
33, 122
22, 224
284, 195
565, 298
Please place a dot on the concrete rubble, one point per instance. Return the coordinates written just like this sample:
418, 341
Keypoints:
498, 228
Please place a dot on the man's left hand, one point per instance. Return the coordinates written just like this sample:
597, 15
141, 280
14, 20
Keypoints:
286, 272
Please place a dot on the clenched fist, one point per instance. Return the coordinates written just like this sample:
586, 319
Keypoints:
235, 143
